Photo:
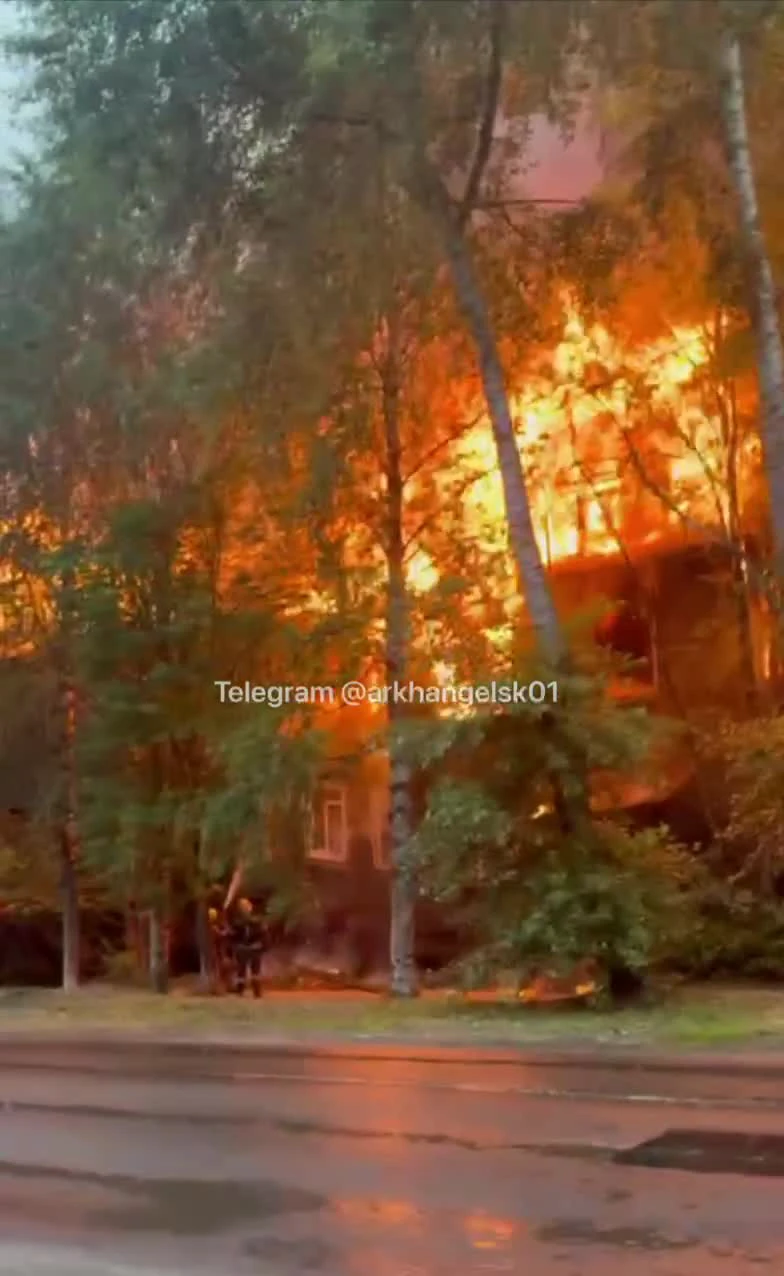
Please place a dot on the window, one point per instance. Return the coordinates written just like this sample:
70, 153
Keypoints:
329, 825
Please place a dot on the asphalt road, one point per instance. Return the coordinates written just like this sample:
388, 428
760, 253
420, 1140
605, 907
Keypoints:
142, 1161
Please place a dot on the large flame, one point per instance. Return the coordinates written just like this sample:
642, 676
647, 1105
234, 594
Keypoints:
620, 448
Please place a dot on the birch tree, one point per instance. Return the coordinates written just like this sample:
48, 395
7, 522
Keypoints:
770, 351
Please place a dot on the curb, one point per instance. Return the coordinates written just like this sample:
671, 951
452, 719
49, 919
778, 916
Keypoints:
627, 1059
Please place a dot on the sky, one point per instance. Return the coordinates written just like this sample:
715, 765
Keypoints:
551, 171
13, 133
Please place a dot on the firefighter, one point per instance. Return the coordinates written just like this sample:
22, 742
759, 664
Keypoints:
219, 948
247, 941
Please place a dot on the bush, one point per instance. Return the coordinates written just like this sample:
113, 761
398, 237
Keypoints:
617, 906
123, 968
733, 933
541, 892
738, 921
750, 757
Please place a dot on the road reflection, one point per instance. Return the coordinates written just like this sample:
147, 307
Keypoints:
484, 1231
386, 1232
370, 1231
393, 1214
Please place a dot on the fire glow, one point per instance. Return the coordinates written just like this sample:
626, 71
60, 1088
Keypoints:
600, 429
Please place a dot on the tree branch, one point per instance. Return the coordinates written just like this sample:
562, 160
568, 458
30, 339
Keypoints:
492, 95
460, 432
467, 481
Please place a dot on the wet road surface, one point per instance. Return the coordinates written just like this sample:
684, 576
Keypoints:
124, 1162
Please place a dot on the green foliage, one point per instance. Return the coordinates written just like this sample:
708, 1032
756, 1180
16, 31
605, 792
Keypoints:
538, 894
230, 205
175, 784
749, 755
738, 918
734, 933
619, 904
123, 968
29, 872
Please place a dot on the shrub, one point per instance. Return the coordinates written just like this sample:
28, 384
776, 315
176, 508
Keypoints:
618, 901
124, 969
733, 933
750, 756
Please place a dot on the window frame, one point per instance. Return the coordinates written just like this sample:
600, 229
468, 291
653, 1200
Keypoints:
329, 794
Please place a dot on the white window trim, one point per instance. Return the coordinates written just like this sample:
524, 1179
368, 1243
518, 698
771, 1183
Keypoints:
328, 795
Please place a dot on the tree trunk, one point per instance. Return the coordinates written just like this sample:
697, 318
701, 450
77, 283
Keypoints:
571, 803
136, 940
204, 943
69, 903
741, 576
158, 948
69, 843
532, 577
403, 877
770, 355
203, 934
745, 623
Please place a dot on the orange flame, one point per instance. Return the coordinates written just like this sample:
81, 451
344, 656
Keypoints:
620, 449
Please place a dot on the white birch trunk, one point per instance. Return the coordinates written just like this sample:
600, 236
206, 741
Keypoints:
770, 355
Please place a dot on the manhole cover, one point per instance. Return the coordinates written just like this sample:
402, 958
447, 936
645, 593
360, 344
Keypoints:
710, 1152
